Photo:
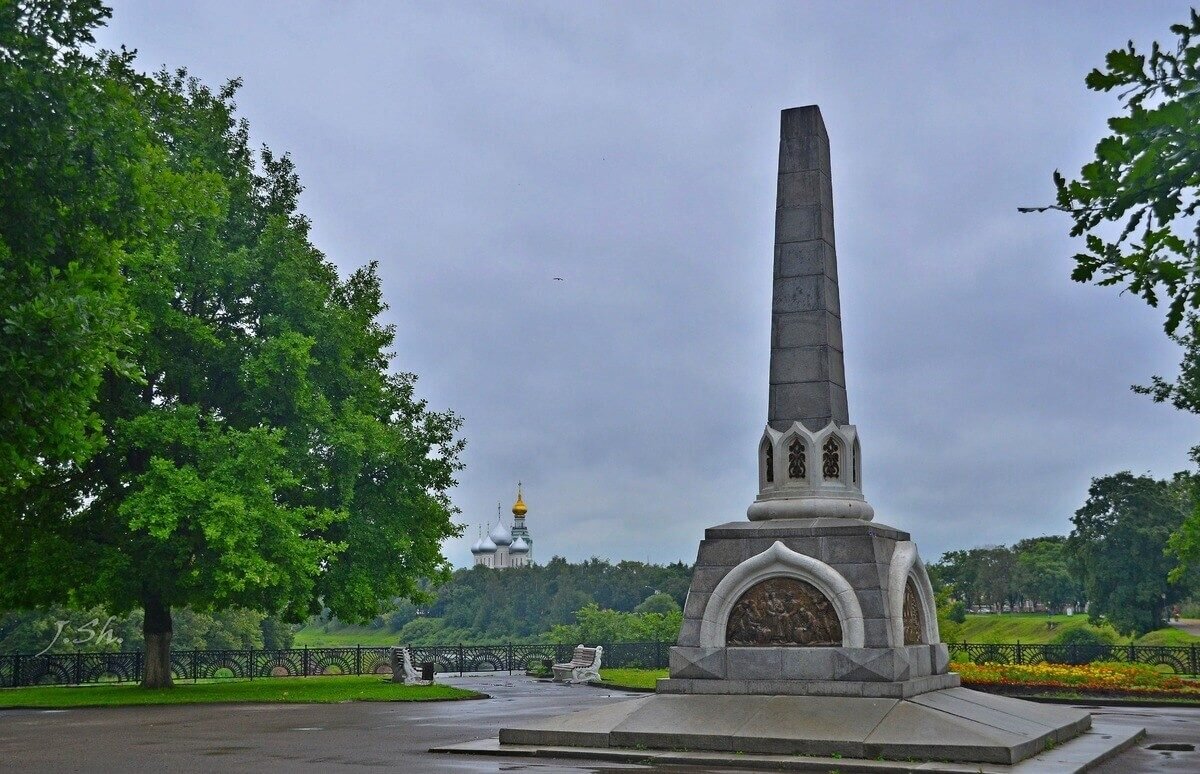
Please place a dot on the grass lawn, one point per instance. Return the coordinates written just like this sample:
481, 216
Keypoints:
632, 678
1031, 628
315, 637
300, 690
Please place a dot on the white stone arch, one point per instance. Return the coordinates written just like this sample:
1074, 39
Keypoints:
770, 438
907, 564
779, 561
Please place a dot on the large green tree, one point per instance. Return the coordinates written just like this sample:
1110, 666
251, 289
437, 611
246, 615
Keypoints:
1136, 202
1119, 547
1043, 572
75, 164
979, 576
259, 453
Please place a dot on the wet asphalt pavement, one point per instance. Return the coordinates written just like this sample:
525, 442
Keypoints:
377, 736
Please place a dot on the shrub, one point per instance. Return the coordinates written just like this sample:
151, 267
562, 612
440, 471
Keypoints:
1080, 645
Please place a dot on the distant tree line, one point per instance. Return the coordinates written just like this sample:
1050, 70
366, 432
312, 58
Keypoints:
1034, 572
1124, 558
525, 604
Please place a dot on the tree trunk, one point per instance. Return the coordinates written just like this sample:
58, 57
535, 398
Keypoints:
156, 630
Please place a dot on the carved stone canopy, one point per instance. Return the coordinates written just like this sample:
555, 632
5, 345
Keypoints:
783, 611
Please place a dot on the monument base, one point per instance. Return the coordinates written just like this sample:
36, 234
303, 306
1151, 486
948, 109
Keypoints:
1103, 742
953, 724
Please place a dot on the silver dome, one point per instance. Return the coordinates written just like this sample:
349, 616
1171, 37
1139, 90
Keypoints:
519, 546
500, 535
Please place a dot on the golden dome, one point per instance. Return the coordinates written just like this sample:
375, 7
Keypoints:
519, 508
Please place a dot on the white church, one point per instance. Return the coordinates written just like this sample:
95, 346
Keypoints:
504, 547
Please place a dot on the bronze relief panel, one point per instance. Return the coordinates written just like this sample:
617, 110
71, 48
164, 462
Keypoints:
783, 611
914, 631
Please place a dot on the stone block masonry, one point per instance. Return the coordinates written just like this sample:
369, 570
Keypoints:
808, 377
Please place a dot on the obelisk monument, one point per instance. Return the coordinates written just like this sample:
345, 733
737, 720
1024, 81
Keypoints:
810, 462
809, 628
808, 378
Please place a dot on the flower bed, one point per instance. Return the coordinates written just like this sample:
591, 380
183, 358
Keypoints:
1099, 678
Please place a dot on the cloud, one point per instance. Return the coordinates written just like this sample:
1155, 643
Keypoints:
478, 150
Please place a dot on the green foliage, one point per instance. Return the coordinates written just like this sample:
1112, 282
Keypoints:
523, 602
979, 576
658, 602
257, 451
951, 613
1034, 570
76, 176
327, 689
276, 634
1136, 201
638, 679
520, 604
595, 625
1119, 544
435, 631
1081, 635
1088, 645
956, 612
1038, 628
1183, 394
1043, 572
32, 631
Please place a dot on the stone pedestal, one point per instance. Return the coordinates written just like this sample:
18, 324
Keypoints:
843, 635
813, 637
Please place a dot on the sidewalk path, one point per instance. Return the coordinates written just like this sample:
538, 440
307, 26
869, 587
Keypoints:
380, 736
1189, 625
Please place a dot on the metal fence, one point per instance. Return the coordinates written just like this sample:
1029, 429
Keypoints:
76, 668
1180, 659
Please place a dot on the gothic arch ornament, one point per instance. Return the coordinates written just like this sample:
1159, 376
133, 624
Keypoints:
804, 474
907, 566
797, 458
779, 561
831, 458
769, 467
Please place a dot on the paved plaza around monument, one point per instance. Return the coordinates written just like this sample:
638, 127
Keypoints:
395, 737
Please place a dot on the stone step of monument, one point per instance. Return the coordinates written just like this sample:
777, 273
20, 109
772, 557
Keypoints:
955, 724
1083, 753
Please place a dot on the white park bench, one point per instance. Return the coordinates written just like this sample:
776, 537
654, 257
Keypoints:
583, 666
402, 666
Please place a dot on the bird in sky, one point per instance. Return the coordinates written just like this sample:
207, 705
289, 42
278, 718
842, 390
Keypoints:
559, 279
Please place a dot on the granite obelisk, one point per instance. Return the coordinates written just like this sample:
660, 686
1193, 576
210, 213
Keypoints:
810, 462
808, 378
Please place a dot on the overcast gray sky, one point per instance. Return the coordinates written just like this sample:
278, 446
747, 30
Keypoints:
477, 150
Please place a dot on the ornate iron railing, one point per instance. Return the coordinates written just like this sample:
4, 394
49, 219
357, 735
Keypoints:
1180, 659
74, 668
